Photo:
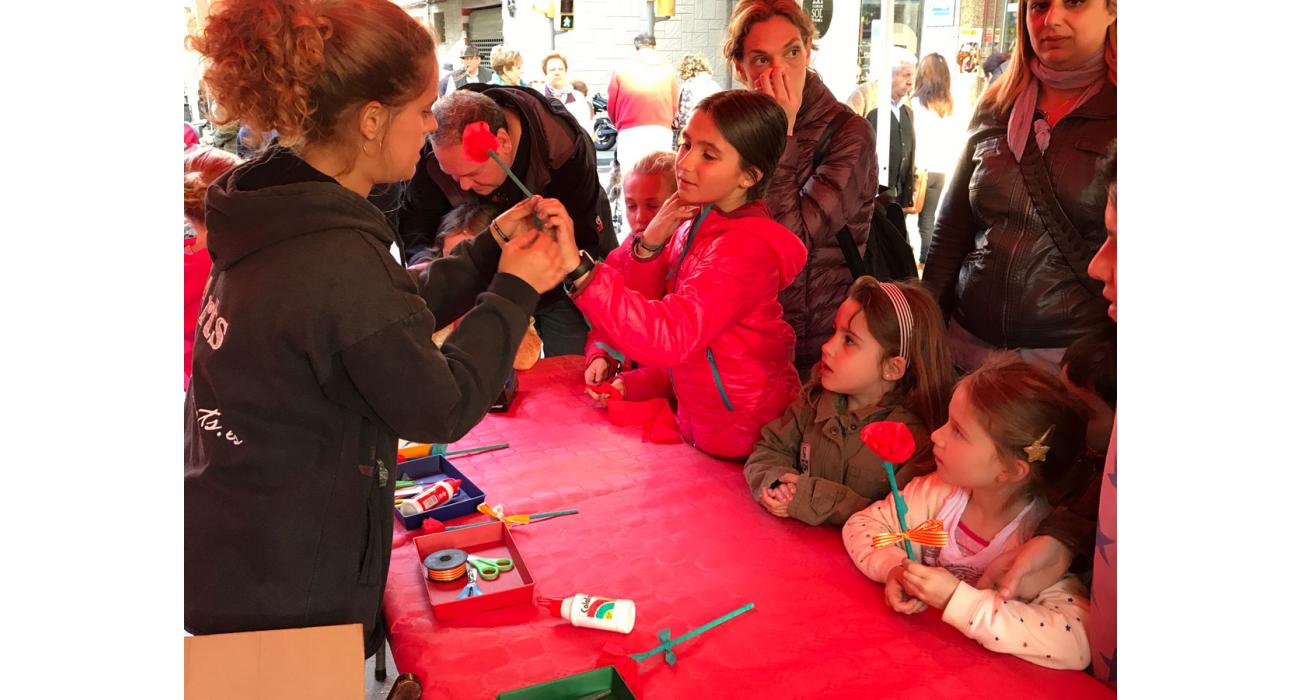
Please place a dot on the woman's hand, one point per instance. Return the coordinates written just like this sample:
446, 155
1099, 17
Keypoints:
601, 397
517, 220
898, 598
559, 225
1025, 571
934, 585
776, 83
598, 371
670, 215
534, 258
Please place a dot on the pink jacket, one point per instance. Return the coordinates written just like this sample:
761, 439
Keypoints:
723, 300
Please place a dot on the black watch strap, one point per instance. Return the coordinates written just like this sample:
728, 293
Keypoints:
584, 266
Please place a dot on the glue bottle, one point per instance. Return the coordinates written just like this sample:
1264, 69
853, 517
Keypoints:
582, 610
429, 498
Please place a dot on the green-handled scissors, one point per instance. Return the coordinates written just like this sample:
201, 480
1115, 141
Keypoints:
490, 568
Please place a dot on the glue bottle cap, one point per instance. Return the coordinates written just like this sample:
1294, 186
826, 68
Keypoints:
555, 605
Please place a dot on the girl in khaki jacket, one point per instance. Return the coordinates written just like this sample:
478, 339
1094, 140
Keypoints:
887, 360
1015, 436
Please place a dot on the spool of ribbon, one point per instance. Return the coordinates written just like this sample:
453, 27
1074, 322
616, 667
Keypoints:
929, 533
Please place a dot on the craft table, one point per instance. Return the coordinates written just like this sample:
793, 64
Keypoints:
677, 532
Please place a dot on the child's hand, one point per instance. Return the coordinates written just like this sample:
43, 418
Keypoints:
1024, 572
673, 212
598, 371
786, 490
932, 584
774, 505
898, 598
601, 397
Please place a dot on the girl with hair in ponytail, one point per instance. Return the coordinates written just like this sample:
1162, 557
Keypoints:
312, 353
887, 360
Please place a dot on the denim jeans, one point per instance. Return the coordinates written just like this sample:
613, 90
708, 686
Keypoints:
925, 220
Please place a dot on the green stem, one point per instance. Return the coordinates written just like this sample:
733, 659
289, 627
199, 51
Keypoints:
697, 631
901, 506
468, 450
522, 187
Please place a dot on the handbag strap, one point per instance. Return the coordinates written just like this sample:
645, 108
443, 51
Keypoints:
1065, 236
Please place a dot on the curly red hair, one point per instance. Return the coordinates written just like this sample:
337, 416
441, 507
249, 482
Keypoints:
297, 66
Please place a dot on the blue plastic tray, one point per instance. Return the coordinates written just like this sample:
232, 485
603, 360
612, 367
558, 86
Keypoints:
465, 502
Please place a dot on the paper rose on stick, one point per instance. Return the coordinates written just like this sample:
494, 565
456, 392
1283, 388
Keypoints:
479, 144
893, 442
889, 439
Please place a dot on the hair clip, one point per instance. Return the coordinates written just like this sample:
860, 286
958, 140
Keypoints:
1037, 452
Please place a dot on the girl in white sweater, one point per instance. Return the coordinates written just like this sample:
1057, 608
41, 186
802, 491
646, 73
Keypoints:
1014, 439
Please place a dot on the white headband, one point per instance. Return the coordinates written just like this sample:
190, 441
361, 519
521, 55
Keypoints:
904, 313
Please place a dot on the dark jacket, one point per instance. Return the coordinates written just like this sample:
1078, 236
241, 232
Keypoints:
312, 356
902, 155
460, 78
815, 206
992, 265
819, 439
556, 159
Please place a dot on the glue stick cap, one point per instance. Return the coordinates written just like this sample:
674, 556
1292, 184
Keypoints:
555, 605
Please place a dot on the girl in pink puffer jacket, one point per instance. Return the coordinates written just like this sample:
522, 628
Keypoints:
693, 300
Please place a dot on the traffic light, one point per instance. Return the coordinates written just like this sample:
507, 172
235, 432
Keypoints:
566, 15
665, 8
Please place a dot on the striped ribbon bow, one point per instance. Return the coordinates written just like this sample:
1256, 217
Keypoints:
499, 513
930, 533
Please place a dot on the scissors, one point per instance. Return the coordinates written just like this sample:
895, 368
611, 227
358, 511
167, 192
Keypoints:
471, 589
490, 568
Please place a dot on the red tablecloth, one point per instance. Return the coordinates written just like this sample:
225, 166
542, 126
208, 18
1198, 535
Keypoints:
677, 532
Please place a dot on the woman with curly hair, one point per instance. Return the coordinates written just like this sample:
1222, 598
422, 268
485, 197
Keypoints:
697, 84
312, 352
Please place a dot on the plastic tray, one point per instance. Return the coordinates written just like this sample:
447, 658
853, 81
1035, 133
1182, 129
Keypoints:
464, 503
513, 587
580, 685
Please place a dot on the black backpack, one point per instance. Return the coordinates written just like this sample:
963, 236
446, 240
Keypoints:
888, 255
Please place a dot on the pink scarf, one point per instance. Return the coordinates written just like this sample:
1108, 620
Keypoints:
1091, 74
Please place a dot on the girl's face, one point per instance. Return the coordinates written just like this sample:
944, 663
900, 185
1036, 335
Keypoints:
853, 361
709, 168
775, 42
454, 239
642, 197
1105, 264
1066, 33
964, 453
407, 128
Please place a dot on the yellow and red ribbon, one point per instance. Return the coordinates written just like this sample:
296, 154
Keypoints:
929, 533
499, 513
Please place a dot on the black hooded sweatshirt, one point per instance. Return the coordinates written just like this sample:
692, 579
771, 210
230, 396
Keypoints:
312, 356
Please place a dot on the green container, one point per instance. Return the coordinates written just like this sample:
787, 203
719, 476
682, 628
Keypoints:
576, 687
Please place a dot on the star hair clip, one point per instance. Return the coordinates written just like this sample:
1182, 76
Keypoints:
1037, 452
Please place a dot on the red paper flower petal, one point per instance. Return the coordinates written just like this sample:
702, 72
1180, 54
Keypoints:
477, 139
889, 439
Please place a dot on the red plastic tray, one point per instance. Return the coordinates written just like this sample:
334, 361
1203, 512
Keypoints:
513, 587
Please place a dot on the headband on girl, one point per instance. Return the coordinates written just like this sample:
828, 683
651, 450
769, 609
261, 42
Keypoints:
904, 313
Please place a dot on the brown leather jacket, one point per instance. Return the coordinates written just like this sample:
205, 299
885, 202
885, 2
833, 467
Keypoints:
992, 265
815, 206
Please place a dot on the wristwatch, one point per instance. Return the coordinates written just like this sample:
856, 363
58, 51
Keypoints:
585, 264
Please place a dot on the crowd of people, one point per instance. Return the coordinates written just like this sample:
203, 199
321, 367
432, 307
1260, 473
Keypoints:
734, 295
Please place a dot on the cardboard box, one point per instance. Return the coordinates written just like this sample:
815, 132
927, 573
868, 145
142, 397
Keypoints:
322, 663
513, 587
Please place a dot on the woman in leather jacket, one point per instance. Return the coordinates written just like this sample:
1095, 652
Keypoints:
1020, 220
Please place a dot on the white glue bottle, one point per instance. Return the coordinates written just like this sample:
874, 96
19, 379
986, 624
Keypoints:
582, 610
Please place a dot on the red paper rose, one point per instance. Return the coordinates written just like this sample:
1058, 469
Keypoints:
889, 439
478, 139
